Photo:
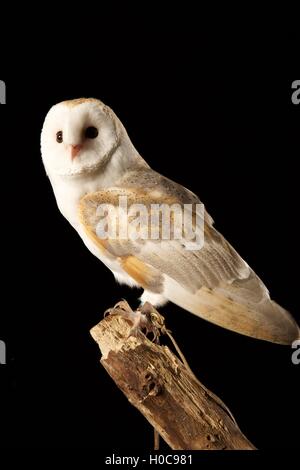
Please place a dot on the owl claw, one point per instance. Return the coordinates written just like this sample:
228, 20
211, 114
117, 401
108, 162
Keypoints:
145, 319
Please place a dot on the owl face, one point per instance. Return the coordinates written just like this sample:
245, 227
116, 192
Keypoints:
78, 137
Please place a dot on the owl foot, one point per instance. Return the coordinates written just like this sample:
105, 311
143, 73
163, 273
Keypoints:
145, 319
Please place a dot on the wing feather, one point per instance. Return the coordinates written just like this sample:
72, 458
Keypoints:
213, 282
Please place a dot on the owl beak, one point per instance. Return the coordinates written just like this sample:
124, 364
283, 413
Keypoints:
75, 149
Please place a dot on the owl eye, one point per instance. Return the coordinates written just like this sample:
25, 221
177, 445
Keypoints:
91, 132
59, 137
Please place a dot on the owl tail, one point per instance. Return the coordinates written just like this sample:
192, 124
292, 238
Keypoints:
243, 306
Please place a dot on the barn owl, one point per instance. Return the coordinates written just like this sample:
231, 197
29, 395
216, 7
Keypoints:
91, 161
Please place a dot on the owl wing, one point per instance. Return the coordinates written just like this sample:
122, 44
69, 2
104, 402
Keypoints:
213, 282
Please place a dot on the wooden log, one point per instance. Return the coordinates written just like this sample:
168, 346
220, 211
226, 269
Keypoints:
185, 414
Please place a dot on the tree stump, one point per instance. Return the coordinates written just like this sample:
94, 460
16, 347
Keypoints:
185, 414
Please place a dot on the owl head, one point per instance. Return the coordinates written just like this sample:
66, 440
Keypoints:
79, 136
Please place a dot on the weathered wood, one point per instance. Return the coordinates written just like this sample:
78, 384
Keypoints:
160, 386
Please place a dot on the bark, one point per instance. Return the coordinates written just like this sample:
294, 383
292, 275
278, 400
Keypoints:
163, 389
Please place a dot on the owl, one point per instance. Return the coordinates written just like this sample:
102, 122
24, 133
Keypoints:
92, 164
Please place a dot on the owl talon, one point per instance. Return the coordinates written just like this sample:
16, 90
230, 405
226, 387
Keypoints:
155, 323
144, 320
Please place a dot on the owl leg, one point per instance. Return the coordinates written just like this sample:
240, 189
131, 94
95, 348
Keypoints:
156, 300
145, 319
137, 318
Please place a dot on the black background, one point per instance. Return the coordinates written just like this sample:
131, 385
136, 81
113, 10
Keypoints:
230, 133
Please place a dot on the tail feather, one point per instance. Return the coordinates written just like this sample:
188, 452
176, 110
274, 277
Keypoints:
243, 306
